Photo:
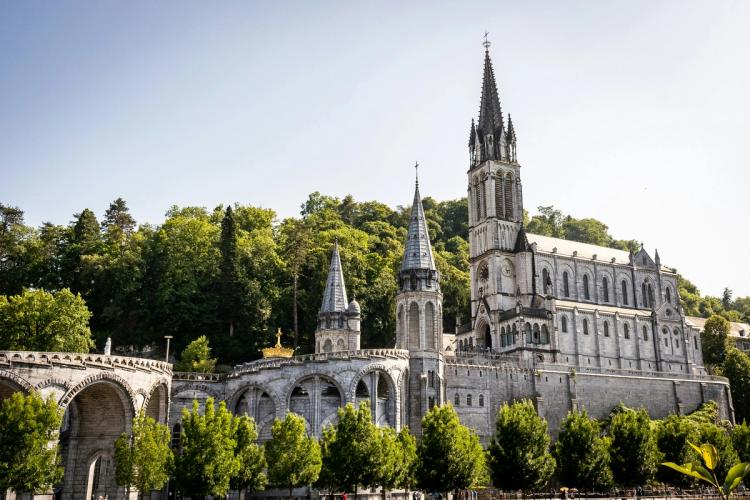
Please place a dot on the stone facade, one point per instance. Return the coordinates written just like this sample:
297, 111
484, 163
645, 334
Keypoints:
564, 324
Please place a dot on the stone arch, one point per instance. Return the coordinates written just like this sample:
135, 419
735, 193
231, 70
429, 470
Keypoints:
11, 382
100, 408
316, 397
259, 403
328, 345
413, 322
384, 407
340, 346
211, 391
156, 404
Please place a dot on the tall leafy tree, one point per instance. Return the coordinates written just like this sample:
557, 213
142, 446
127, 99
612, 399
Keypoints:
293, 457
352, 452
14, 260
450, 455
231, 290
250, 476
40, 321
715, 340
118, 225
736, 368
407, 477
633, 450
721, 439
143, 459
28, 425
520, 456
196, 357
582, 454
741, 441
207, 461
672, 436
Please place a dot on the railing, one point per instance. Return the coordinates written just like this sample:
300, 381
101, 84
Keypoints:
198, 376
9, 358
321, 357
628, 372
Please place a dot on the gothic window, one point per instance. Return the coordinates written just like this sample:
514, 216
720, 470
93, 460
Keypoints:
430, 378
431, 402
429, 325
413, 281
515, 334
546, 282
624, 285
477, 201
605, 289
341, 322
414, 326
645, 332
468, 400
650, 296
626, 330
456, 400
566, 287
502, 337
481, 400
499, 206
536, 333
669, 295
527, 332
644, 295
509, 197
176, 435
564, 322
545, 335
695, 342
586, 287
585, 326
606, 329
471, 342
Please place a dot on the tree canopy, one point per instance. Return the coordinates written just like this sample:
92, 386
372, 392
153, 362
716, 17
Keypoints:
582, 453
293, 457
143, 459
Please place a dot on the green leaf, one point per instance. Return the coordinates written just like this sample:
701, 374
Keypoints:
735, 476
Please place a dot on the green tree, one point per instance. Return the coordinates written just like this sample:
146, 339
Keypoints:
352, 453
40, 321
28, 425
230, 285
250, 476
450, 455
736, 368
722, 441
634, 454
715, 340
741, 441
118, 224
196, 357
520, 456
673, 435
582, 453
293, 457
207, 461
407, 477
143, 459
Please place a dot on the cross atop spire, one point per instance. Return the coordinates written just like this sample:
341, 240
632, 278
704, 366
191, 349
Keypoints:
334, 297
490, 111
486, 42
416, 170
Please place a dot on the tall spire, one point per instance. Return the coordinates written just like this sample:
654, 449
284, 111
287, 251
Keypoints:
490, 112
334, 298
417, 251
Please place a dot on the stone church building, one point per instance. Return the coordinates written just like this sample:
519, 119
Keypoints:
568, 325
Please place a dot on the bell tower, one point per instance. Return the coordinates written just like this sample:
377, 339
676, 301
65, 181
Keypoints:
498, 279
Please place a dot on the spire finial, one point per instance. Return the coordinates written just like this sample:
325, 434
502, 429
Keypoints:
486, 42
416, 172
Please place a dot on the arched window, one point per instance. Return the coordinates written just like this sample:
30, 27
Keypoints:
429, 326
650, 296
483, 187
514, 338
468, 400
669, 295
545, 335
586, 287
606, 329
546, 282
626, 330
527, 331
456, 400
695, 342
502, 337
414, 342
536, 333
644, 295
499, 205
176, 436
478, 200
564, 324
605, 289
585, 326
645, 332
624, 285
566, 287
481, 400
509, 197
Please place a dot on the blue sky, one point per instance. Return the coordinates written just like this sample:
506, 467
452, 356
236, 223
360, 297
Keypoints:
631, 112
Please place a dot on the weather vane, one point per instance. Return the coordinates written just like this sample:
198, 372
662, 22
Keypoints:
486, 42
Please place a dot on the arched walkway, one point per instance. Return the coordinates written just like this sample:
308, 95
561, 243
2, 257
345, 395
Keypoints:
378, 388
317, 398
256, 403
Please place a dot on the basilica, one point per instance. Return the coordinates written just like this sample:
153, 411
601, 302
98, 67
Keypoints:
568, 325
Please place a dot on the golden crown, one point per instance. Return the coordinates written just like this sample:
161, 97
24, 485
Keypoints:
278, 351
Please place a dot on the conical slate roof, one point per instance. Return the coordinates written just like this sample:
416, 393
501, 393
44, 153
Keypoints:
490, 112
417, 251
334, 297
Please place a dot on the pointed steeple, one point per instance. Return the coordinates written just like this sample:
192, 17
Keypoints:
417, 251
334, 297
511, 134
490, 112
472, 133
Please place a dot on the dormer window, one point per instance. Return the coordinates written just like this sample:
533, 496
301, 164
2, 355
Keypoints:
643, 260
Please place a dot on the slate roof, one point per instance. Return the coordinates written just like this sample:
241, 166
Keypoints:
417, 250
334, 297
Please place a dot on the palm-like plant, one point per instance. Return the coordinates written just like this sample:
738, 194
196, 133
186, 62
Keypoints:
706, 472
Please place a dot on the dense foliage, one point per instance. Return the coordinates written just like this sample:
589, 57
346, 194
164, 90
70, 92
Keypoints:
237, 273
143, 459
293, 457
27, 426
582, 453
520, 457
633, 450
736, 368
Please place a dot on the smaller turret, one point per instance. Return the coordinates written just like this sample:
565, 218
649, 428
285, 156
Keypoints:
338, 323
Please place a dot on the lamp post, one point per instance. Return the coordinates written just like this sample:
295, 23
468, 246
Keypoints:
168, 337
